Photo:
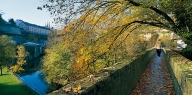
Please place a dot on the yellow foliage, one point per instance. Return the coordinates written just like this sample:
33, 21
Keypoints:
21, 54
79, 87
97, 35
16, 68
76, 89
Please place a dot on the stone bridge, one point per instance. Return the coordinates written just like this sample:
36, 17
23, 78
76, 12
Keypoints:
128, 78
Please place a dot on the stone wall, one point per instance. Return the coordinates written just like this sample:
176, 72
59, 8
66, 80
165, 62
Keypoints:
117, 80
9, 30
181, 72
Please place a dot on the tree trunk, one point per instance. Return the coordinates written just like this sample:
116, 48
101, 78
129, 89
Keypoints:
1, 71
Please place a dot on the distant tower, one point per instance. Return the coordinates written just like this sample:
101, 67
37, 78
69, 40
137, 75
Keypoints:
47, 24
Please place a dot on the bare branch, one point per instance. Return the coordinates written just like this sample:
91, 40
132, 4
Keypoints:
157, 11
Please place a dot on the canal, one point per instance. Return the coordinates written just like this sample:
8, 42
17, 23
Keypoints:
36, 82
33, 77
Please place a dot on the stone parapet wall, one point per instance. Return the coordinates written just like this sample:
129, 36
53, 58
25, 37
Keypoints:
10, 30
181, 72
118, 80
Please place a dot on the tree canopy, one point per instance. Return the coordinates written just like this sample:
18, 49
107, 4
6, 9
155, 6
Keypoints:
7, 51
20, 59
87, 50
2, 21
101, 33
174, 15
13, 23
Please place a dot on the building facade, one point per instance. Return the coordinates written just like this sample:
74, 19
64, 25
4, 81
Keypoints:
32, 28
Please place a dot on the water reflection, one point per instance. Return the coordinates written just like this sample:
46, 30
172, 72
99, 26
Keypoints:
36, 82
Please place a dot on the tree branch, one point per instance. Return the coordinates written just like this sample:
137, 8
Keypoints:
171, 22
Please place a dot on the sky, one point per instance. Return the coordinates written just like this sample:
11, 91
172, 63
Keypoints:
25, 10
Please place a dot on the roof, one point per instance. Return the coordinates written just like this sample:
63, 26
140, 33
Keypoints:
30, 44
34, 25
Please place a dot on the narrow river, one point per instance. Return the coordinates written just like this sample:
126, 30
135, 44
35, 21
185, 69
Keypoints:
36, 82
33, 77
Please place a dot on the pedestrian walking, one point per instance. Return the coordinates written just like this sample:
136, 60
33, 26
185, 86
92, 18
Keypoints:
158, 47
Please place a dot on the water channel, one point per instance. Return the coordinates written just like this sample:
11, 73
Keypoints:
35, 79
36, 82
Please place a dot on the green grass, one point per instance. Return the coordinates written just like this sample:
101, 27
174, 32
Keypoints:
10, 85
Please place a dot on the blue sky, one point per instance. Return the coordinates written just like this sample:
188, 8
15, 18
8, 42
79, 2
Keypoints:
25, 10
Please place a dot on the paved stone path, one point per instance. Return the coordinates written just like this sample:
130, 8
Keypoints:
155, 80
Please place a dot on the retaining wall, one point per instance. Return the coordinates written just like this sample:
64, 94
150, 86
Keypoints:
119, 80
9, 30
181, 72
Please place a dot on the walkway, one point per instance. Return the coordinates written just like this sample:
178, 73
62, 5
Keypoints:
155, 80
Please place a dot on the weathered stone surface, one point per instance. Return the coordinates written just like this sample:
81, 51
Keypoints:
179, 68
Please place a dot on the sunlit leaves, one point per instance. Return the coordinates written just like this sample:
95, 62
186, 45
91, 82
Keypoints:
57, 64
16, 68
97, 40
90, 41
174, 15
20, 59
105, 33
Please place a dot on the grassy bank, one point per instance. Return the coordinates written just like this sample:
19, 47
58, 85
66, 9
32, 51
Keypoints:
10, 85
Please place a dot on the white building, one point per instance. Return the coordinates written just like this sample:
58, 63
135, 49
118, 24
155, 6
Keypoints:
181, 44
32, 28
146, 36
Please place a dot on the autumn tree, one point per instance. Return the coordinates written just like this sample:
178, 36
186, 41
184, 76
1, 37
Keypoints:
100, 33
91, 48
112, 18
7, 51
57, 64
20, 59
174, 15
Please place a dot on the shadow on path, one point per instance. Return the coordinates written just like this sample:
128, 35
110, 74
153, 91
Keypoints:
155, 80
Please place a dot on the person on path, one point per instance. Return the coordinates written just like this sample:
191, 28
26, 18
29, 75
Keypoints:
158, 47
